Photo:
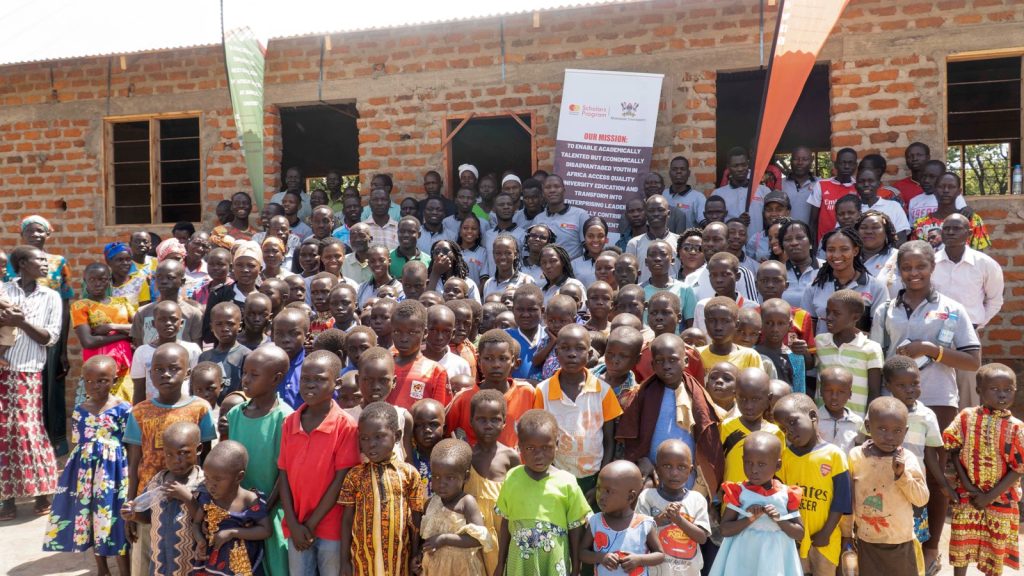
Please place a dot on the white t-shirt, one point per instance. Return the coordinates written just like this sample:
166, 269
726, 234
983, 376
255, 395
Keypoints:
893, 210
682, 554
924, 204
142, 361
454, 365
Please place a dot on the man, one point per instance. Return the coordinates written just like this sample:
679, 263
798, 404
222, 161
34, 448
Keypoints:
382, 226
468, 176
533, 203
868, 181
293, 182
975, 279
657, 212
925, 203
504, 221
383, 182
714, 240
681, 195
321, 221
433, 224
408, 236
355, 266
735, 191
351, 211
564, 221
513, 186
335, 196
654, 184
823, 200
916, 155
432, 186
801, 183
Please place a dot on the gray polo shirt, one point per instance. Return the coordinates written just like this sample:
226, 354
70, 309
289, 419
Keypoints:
567, 226
637, 246
427, 238
895, 321
736, 204
799, 281
691, 203
798, 195
815, 298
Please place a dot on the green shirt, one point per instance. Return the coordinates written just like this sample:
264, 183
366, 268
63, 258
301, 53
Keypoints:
398, 261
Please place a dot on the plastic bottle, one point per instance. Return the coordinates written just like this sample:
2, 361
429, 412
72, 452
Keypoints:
1018, 181
948, 329
848, 562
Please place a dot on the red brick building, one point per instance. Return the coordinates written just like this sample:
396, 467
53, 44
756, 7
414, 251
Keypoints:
389, 100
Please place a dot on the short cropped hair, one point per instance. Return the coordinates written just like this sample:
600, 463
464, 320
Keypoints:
411, 310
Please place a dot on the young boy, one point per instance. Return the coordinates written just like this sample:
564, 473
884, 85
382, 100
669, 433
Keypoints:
560, 312
659, 258
720, 314
256, 317
837, 423
169, 278
374, 381
427, 430
600, 297
527, 307
721, 387
207, 382
752, 398
845, 345
630, 299
627, 270
319, 443
167, 321
888, 482
772, 281
663, 315
416, 376
296, 289
358, 340
462, 337
440, 327
723, 273
149, 419
776, 325
499, 356
225, 322
342, 302
380, 320
489, 316
820, 469
622, 353
319, 294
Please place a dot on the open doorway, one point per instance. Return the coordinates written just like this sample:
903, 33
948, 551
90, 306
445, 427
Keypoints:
320, 138
494, 144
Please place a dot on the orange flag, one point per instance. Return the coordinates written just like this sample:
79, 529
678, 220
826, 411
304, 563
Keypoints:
801, 31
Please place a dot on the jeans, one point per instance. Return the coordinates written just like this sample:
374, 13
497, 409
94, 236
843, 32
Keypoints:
323, 557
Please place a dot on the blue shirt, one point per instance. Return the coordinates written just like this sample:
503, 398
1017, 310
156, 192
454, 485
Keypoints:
288, 389
667, 429
527, 350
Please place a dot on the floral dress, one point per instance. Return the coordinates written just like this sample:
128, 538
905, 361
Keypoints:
235, 557
540, 514
92, 487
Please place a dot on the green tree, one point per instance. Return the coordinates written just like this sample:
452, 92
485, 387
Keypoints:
985, 168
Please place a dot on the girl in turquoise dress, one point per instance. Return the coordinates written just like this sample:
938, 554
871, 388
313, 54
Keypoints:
94, 483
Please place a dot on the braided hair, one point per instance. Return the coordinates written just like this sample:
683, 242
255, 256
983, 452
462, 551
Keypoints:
891, 238
825, 273
563, 256
459, 267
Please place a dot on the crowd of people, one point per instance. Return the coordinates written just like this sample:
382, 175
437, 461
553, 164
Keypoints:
783, 384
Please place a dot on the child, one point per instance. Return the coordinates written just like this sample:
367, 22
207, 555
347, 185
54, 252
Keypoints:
888, 482
417, 376
621, 354
358, 340
258, 424
167, 547
599, 302
845, 345
663, 315
752, 396
492, 459
427, 430
382, 501
694, 337
459, 383
620, 540
542, 506
331, 340
820, 469
455, 288
780, 389
680, 514
109, 316
720, 315
277, 290
218, 266
342, 303
167, 320
290, 332
380, 320
374, 381
319, 292
748, 334
206, 382
777, 325
721, 387
505, 321
349, 398
986, 445
318, 446
584, 407
723, 273
296, 289
499, 356
559, 313
453, 530
490, 312
837, 423
231, 522
225, 322
627, 270
256, 318
762, 519
462, 342
528, 307
230, 401
440, 327
95, 477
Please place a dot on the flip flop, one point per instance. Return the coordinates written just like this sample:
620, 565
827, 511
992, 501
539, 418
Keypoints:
8, 513
933, 568
41, 510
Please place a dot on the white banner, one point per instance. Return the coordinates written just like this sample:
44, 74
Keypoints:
605, 139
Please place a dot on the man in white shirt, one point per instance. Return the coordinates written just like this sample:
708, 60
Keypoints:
735, 192
925, 203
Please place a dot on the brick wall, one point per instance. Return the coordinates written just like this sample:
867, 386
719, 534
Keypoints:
887, 89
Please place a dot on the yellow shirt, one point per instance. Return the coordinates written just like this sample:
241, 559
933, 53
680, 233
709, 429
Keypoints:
824, 477
733, 448
741, 357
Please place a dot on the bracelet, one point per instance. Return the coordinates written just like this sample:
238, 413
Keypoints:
939, 357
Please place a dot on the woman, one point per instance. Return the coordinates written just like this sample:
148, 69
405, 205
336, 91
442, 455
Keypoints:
947, 190
537, 237
132, 286
171, 248
880, 243
473, 252
774, 245
102, 324
245, 268
446, 261
801, 266
505, 255
911, 324
690, 250
557, 267
595, 238
273, 258
29, 465
843, 270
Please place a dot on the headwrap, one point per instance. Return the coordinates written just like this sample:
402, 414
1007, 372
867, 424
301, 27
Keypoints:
114, 248
168, 248
275, 241
36, 219
511, 178
247, 248
469, 168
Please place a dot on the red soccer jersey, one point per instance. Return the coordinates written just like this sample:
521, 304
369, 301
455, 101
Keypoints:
831, 191
419, 379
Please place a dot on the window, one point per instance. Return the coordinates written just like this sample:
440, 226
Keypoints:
984, 122
493, 144
154, 174
319, 139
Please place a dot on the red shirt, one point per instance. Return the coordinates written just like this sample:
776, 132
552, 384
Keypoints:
644, 369
831, 191
419, 379
519, 398
908, 188
311, 461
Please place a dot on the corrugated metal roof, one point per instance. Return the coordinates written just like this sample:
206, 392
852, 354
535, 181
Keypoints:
45, 30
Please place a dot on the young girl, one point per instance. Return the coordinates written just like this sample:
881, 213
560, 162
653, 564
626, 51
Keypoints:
537, 237
620, 541
453, 528
543, 510
95, 479
491, 461
557, 269
218, 266
309, 258
273, 258
255, 320
473, 252
761, 524
102, 324
231, 522
505, 264
986, 445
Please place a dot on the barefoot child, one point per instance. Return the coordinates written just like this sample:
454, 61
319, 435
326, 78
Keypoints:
382, 501
543, 511
452, 528
680, 514
620, 540
95, 478
231, 522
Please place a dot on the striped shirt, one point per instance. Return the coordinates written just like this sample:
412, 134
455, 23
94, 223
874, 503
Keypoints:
858, 356
42, 308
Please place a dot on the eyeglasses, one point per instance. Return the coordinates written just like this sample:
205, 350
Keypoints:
691, 248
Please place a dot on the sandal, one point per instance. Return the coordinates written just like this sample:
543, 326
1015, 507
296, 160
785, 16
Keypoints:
8, 513
41, 509
934, 568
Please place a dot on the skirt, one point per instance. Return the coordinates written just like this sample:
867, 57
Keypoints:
987, 537
27, 464
886, 558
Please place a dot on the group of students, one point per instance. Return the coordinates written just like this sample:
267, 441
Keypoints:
353, 416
